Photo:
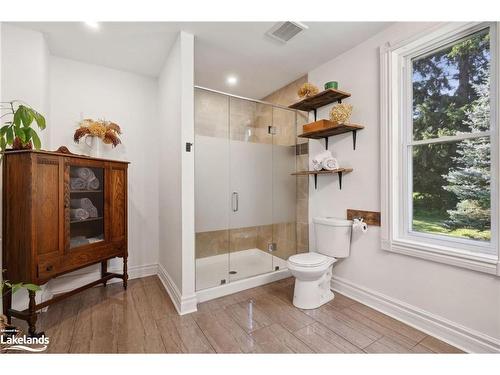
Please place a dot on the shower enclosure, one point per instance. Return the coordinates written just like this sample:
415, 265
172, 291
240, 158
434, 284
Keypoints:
245, 195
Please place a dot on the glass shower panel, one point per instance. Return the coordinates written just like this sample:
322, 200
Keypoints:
251, 179
212, 196
284, 190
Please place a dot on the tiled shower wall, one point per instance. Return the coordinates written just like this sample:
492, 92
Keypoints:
290, 237
286, 96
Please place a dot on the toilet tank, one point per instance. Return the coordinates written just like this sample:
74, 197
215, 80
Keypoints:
333, 236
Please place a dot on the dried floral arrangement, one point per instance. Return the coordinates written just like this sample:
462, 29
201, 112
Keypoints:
307, 90
341, 113
107, 131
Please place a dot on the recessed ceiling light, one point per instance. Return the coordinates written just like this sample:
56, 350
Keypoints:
92, 25
231, 80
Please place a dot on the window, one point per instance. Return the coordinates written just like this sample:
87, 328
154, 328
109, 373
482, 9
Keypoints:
439, 153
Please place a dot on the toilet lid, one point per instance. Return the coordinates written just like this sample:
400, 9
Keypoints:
308, 259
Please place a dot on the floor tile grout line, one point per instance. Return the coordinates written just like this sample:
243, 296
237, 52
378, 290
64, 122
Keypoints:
385, 326
204, 335
302, 341
342, 336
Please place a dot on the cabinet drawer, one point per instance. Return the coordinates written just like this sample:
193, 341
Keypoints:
48, 268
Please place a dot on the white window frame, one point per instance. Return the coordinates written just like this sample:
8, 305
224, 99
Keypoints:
396, 139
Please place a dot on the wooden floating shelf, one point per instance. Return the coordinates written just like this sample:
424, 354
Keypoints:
339, 172
329, 128
319, 100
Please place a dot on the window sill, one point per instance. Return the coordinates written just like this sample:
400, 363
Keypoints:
477, 262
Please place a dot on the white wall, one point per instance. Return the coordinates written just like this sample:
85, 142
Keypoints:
24, 76
467, 299
83, 90
176, 174
25, 70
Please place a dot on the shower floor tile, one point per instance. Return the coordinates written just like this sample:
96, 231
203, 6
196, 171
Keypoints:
210, 271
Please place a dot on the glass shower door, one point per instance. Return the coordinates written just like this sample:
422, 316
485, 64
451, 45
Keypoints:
251, 188
284, 189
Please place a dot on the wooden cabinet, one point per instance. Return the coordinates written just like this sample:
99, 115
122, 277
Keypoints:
61, 212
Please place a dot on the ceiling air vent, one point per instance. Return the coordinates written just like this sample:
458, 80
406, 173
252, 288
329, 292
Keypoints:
284, 31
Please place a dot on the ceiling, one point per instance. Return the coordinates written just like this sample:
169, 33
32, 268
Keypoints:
261, 64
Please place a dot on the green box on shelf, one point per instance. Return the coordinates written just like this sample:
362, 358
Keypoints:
331, 85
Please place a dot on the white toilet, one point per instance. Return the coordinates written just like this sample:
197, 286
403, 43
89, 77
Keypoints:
313, 270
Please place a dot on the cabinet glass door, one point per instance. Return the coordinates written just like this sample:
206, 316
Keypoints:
86, 205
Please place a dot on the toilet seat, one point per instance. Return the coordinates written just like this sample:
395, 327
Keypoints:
310, 260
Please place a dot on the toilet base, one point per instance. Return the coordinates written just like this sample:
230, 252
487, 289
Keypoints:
311, 294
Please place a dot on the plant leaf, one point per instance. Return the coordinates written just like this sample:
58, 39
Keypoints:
20, 133
9, 136
32, 287
40, 120
3, 142
3, 129
17, 116
26, 115
36, 140
16, 287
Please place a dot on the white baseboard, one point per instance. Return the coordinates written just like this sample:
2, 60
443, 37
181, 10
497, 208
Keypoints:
455, 334
183, 304
237, 286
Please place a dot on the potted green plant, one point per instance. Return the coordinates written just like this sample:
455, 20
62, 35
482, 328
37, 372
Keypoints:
18, 131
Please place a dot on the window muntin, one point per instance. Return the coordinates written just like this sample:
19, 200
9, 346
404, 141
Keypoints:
448, 142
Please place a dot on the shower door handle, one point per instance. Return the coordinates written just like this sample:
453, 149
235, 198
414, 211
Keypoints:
235, 201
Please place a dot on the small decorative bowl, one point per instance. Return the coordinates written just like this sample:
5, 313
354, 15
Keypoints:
331, 85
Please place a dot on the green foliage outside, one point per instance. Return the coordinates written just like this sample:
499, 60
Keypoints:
451, 180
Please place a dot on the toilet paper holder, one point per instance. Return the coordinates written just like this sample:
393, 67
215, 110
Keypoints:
371, 218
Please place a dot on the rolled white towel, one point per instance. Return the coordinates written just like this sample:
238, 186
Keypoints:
82, 172
86, 204
330, 164
78, 214
93, 184
317, 161
316, 165
323, 155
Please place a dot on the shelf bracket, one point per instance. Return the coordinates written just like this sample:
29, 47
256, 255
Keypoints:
315, 114
340, 180
354, 139
326, 143
316, 181
339, 101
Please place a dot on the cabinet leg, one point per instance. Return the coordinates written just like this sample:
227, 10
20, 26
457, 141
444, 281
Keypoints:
104, 270
32, 316
125, 274
7, 302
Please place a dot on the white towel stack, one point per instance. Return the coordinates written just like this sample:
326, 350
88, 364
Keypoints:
324, 160
318, 160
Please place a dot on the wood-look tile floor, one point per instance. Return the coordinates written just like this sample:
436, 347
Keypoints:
260, 320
